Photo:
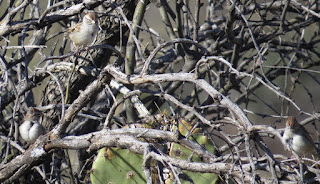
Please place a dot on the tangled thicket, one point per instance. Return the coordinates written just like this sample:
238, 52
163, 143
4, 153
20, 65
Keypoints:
212, 77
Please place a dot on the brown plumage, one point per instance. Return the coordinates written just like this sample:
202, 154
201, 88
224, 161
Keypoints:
85, 32
31, 129
298, 139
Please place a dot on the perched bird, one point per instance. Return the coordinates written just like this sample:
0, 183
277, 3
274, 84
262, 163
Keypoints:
85, 32
298, 139
31, 129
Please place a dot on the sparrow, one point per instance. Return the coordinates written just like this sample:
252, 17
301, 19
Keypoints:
297, 138
31, 129
85, 32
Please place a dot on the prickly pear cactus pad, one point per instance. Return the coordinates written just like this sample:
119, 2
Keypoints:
114, 166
